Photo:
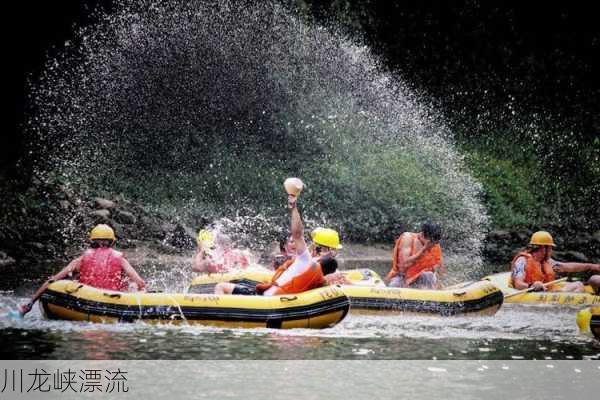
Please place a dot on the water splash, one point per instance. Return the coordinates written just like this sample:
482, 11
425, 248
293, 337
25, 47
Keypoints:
202, 110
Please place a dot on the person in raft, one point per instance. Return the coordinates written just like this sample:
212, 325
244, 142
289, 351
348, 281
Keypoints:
534, 267
285, 251
99, 266
417, 259
306, 271
223, 258
202, 261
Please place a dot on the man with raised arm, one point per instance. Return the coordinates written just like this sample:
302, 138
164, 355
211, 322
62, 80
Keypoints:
305, 271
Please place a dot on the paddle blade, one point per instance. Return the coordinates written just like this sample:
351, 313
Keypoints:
13, 314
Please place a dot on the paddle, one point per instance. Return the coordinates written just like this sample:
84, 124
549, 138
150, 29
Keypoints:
11, 314
14, 314
531, 288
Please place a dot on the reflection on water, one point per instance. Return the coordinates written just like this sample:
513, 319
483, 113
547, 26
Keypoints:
515, 332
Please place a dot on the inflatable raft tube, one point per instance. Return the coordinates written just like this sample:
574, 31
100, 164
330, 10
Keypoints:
588, 321
587, 298
476, 298
318, 308
369, 293
205, 283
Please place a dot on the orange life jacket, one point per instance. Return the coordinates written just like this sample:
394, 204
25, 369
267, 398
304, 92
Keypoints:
428, 260
311, 278
534, 270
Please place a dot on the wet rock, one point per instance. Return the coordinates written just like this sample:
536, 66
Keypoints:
124, 217
126, 244
576, 256
521, 237
50, 248
103, 204
151, 227
36, 245
168, 227
596, 236
119, 231
64, 204
503, 236
100, 215
5, 260
182, 238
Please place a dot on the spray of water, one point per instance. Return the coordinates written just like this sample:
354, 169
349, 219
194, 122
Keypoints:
201, 110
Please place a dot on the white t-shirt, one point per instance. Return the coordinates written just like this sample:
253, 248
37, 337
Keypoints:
301, 263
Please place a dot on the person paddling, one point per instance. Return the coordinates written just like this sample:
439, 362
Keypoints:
534, 267
99, 266
417, 259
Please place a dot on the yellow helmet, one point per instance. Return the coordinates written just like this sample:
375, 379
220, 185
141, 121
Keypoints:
542, 238
102, 231
326, 237
206, 238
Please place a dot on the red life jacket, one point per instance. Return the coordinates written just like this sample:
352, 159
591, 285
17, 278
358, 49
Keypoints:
102, 268
534, 270
232, 259
311, 278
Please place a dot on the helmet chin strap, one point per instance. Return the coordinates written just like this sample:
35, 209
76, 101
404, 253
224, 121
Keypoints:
546, 255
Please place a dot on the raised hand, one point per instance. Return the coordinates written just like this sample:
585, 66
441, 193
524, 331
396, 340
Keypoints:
292, 201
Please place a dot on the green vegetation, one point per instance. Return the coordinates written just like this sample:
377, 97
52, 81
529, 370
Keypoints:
552, 183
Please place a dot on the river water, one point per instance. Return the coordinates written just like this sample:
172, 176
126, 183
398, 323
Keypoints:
515, 332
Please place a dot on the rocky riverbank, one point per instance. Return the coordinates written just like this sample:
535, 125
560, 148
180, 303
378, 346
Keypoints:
50, 223
571, 246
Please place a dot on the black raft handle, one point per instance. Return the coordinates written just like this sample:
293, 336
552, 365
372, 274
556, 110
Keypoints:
74, 290
292, 298
113, 295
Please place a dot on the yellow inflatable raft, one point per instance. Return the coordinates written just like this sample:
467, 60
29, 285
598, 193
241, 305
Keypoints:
588, 321
587, 298
319, 308
369, 293
480, 298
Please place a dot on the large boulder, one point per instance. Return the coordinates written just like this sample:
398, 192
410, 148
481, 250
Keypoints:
100, 215
124, 217
64, 204
103, 204
119, 231
181, 237
500, 236
5, 260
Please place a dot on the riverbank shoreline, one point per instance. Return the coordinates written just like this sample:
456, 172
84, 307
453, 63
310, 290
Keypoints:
57, 232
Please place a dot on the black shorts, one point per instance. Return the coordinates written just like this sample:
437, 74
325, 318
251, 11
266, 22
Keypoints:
244, 290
